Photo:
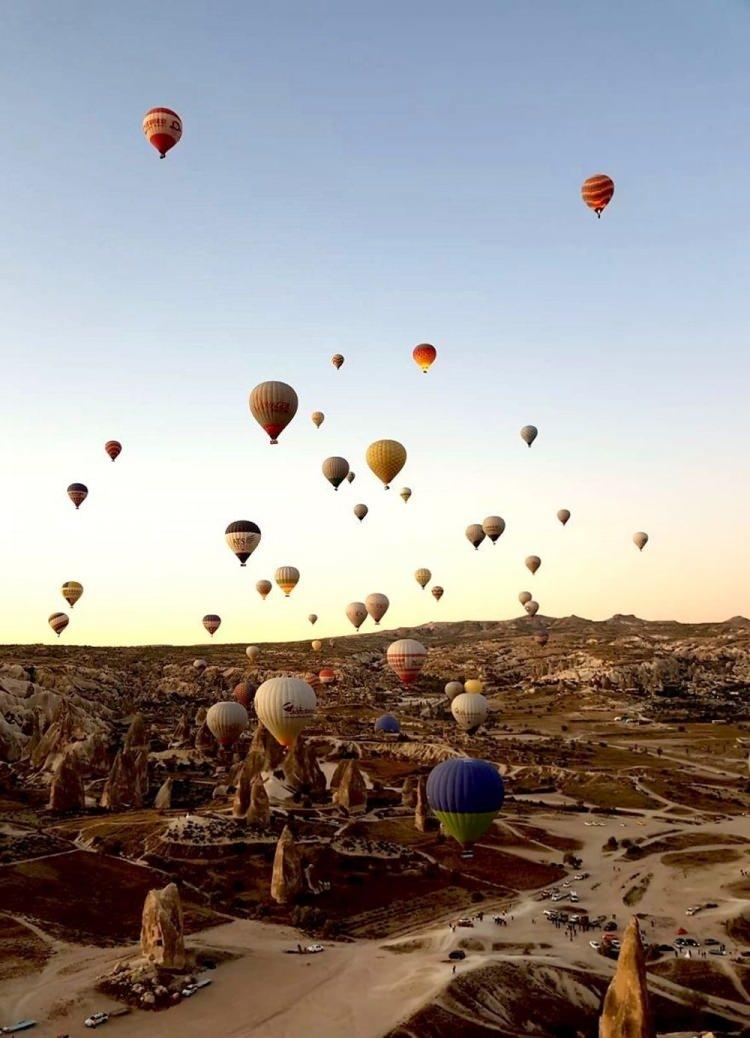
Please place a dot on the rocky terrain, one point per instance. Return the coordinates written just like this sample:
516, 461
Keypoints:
624, 748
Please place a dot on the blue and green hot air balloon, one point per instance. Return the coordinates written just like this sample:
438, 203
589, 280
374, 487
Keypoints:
466, 795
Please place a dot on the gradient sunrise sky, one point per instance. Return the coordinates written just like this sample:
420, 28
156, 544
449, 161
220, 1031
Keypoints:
359, 178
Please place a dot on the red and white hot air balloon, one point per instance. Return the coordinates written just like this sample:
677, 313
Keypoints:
273, 405
406, 658
163, 129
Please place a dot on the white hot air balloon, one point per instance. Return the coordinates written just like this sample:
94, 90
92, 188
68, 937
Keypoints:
285, 706
377, 606
470, 709
453, 689
227, 721
357, 613
252, 652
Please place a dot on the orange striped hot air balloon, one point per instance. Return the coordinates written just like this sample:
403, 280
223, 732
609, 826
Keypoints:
327, 676
337, 360
597, 192
113, 448
287, 578
273, 405
58, 622
212, 623
424, 355
264, 587
406, 658
78, 492
163, 129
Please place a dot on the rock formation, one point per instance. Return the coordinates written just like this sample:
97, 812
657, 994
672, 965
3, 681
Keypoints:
163, 799
244, 781
421, 808
259, 812
182, 733
351, 792
265, 744
301, 769
162, 941
287, 880
127, 782
625, 1011
66, 791
204, 741
136, 737
55, 739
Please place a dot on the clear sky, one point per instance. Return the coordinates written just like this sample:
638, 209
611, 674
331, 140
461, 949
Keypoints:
361, 177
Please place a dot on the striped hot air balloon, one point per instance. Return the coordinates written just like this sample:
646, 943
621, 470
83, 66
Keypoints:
453, 689
113, 448
493, 526
243, 537
423, 577
437, 592
466, 795
287, 577
327, 676
597, 192
264, 588
335, 471
424, 355
406, 658
475, 535
58, 622
71, 592
162, 128
227, 721
273, 405
337, 360
470, 711
212, 623
78, 492
386, 458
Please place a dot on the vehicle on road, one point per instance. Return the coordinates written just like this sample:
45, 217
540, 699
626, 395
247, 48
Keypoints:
22, 1025
595, 944
313, 949
711, 940
96, 1020
717, 951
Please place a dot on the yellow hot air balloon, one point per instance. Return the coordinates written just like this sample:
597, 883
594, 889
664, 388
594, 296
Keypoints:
386, 458
317, 418
533, 562
357, 613
285, 706
71, 591
287, 577
473, 686
423, 577
377, 606
360, 511
264, 588
335, 471
405, 494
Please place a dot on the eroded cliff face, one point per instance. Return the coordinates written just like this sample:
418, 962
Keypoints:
162, 935
287, 880
626, 1012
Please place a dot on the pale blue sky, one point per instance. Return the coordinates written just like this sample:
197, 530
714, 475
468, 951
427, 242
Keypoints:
363, 177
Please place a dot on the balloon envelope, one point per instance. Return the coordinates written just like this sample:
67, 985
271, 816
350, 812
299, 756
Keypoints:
317, 418
524, 597
360, 511
466, 795
227, 721
533, 562
532, 607
316, 645
387, 723
475, 535
437, 592
529, 433
285, 706
405, 494
71, 591
493, 527
640, 540
424, 355
474, 686
470, 710
563, 515
327, 676
273, 405
453, 689
386, 458
243, 537
406, 658
264, 587
162, 128
252, 652
357, 613
212, 623
58, 622
78, 492
244, 693
337, 360
335, 471
287, 577
597, 192
377, 606
113, 448
423, 577
313, 618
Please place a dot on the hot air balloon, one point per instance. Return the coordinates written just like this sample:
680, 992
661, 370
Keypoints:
317, 418
529, 433
532, 607
597, 192
493, 527
335, 470
424, 355
264, 588
350, 477
466, 795
58, 622
533, 562
285, 706
437, 592
405, 494
453, 689
78, 492
360, 511
357, 613
163, 129
386, 458
200, 665
273, 405
212, 623
524, 597
387, 723
252, 652
406, 658
423, 577
243, 537
542, 638
316, 645
244, 693
470, 711
475, 535
287, 578
227, 721
640, 540
327, 676
377, 606
474, 686
313, 618
71, 592
113, 448
337, 360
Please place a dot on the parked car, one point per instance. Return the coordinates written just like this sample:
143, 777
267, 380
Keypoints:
313, 949
595, 944
711, 940
610, 926
96, 1020
717, 951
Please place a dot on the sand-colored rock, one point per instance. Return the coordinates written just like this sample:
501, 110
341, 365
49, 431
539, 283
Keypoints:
182, 734
127, 782
302, 772
421, 808
163, 799
55, 739
259, 812
351, 791
66, 791
241, 802
162, 940
136, 737
265, 744
625, 1011
287, 880
204, 740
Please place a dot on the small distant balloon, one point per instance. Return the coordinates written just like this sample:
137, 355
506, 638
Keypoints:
350, 477
529, 433
470, 710
386, 458
377, 606
388, 724
597, 192
475, 535
640, 540
244, 693
252, 652
533, 562
200, 665
71, 592
316, 645
162, 128
357, 613
473, 686
360, 511
264, 588
78, 492
453, 689
287, 577
335, 471
524, 597
243, 537
212, 623
542, 637
532, 607
337, 360
113, 449
405, 494
273, 405
313, 618
58, 622
424, 355
563, 515
327, 676
317, 418
493, 526
437, 592
423, 577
